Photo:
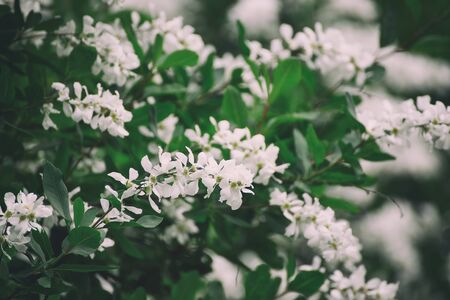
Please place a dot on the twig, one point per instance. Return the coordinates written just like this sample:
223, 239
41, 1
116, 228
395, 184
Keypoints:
384, 196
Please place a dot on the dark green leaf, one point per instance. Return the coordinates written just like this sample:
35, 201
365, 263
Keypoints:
82, 241
166, 89
150, 221
55, 190
215, 291
89, 216
233, 107
316, 147
286, 76
78, 211
187, 287
339, 204
80, 61
287, 119
307, 282
259, 285
242, 43
45, 282
138, 294
291, 265
180, 58
84, 268
41, 238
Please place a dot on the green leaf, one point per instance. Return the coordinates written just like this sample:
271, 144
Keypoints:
41, 238
180, 58
286, 76
291, 265
156, 49
233, 107
287, 119
259, 285
80, 61
149, 221
435, 46
301, 149
242, 44
138, 294
114, 202
339, 204
166, 89
307, 282
37, 249
84, 268
207, 71
316, 147
78, 211
33, 19
129, 247
187, 287
215, 291
45, 282
415, 7
372, 152
89, 216
55, 191
82, 241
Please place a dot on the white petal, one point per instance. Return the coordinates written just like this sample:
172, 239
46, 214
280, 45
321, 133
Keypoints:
146, 164
105, 204
154, 206
133, 174
119, 177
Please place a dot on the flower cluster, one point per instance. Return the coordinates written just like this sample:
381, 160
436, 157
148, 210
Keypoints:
176, 36
116, 58
327, 50
66, 40
104, 110
323, 50
250, 151
396, 124
26, 6
333, 238
164, 129
182, 227
21, 215
355, 287
179, 176
111, 212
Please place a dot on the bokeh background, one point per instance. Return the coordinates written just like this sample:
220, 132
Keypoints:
409, 242
404, 223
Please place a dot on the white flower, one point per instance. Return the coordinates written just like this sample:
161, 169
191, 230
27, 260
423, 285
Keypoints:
10, 202
284, 200
112, 214
233, 181
355, 287
250, 151
333, 238
66, 39
182, 227
397, 123
23, 212
13, 237
103, 111
47, 109
116, 59
203, 141
166, 127
127, 182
